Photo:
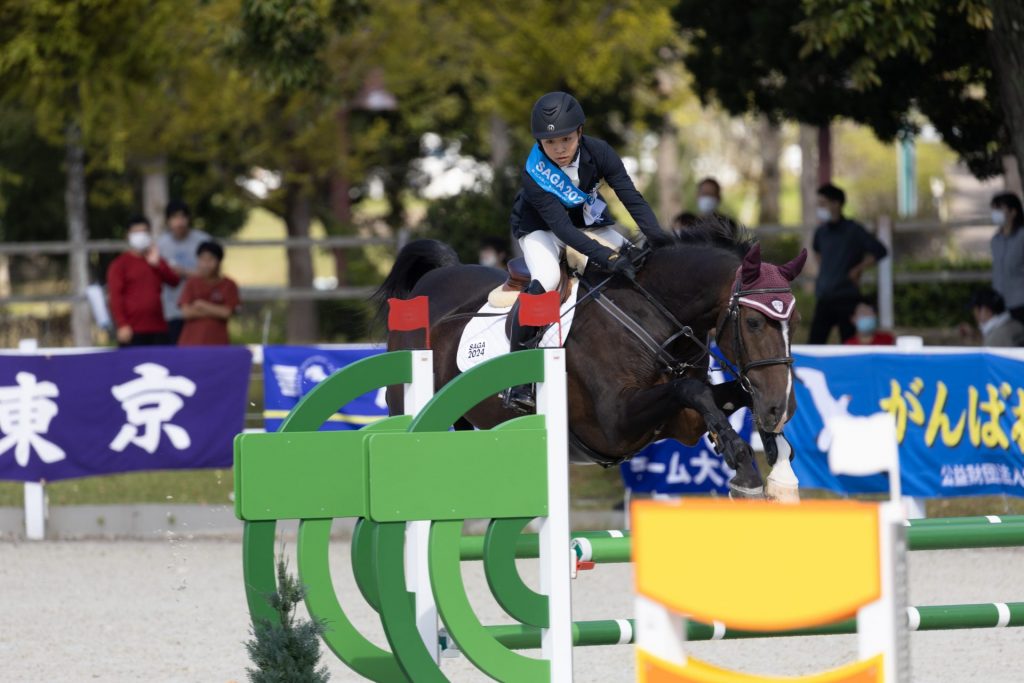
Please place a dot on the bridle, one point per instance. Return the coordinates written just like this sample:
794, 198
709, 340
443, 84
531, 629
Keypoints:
732, 315
677, 367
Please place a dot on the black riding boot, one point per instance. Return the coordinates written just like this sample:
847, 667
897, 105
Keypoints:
522, 397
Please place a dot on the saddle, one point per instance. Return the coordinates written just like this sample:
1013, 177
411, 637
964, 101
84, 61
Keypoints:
519, 279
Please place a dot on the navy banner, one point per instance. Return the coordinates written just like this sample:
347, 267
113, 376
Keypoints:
289, 372
103, 412
959, 417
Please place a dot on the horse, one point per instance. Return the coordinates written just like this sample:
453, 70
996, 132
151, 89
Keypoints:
638, 369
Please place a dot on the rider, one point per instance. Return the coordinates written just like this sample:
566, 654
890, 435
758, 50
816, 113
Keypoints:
559, 202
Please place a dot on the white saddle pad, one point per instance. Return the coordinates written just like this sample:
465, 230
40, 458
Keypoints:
484, 337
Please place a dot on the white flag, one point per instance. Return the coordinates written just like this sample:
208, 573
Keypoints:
863, 445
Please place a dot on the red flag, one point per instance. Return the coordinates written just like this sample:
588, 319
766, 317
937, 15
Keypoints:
405, 315
539, 310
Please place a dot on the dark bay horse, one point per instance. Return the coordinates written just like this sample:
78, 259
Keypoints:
623, 392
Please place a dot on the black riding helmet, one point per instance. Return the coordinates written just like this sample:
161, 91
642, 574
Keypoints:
556, 114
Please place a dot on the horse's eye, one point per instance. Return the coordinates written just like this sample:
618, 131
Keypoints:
753, 323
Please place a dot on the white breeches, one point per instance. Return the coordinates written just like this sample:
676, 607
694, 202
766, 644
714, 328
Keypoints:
543, 250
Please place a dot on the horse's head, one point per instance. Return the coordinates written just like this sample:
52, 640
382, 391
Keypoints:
755, 335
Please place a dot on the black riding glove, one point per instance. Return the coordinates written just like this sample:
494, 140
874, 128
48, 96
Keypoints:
617, 265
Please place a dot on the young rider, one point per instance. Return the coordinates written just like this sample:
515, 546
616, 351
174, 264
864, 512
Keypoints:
559, 202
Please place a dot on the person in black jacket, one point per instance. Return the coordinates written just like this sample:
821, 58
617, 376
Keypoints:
845, 249
559, 202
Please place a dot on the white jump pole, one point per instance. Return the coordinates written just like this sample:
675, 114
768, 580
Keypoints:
555, 560
417, 570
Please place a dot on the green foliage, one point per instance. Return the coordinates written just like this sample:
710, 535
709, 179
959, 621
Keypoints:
465, 219
756, 61
939, 48
935, 304
287, 651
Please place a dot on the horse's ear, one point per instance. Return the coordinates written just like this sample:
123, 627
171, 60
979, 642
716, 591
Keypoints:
752, 265
793, 268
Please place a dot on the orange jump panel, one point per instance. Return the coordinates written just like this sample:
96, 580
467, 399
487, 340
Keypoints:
651, 669
757, 565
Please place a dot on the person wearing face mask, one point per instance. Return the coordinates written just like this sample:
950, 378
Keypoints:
997, 326
134, 280
1008, 252
493, 252
865, 322
845, 249
179, 245
709, 199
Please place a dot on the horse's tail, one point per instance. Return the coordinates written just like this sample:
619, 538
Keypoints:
414, 260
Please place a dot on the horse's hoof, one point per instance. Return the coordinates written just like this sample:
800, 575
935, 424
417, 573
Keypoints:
738, 492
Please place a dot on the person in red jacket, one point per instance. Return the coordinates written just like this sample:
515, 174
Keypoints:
865, 320
134, 281
208, 300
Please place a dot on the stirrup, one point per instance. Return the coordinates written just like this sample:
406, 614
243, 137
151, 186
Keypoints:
520, 398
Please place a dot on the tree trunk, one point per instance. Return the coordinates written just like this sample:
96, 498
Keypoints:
809, 188
341, 199
769, 184
1006, 48
670, 183
302, 323
78, 233
155, 191
824, 154
501, 143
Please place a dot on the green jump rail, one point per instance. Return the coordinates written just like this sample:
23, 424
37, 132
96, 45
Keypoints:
606, 548
924, 618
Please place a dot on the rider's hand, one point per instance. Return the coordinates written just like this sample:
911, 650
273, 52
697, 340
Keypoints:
620, 265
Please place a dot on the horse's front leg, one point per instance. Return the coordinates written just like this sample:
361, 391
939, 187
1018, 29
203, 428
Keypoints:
782, 482
665, 400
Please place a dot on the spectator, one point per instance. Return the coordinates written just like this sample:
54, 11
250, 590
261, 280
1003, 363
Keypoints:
844, 250
134, 280
208, 300
1008, 252
682, 221
493, 252
998, 327
178, 244
709, 200
865, 322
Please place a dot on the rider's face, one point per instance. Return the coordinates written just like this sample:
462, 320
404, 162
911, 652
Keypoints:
562, 150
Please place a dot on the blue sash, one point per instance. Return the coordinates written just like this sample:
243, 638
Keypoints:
551, 179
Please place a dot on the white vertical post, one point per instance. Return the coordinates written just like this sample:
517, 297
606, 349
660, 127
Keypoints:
555, 565
35, 492
35, 510
886, 310
417, 534
882, 625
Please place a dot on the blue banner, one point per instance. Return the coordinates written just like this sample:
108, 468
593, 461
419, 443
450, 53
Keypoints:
289, 372
959, 418
669, 467
83, 414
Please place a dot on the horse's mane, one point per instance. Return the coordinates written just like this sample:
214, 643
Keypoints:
710, 231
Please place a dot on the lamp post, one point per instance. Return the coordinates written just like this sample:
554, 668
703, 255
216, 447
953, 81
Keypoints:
374, 98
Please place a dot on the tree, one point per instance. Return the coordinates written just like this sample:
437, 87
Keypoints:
964, 60
286, 650
761, 60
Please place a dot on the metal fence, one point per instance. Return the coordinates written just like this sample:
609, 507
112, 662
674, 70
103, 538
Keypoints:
884, 227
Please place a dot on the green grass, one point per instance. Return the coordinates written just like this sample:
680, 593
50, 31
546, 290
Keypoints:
592, 488
210, 487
